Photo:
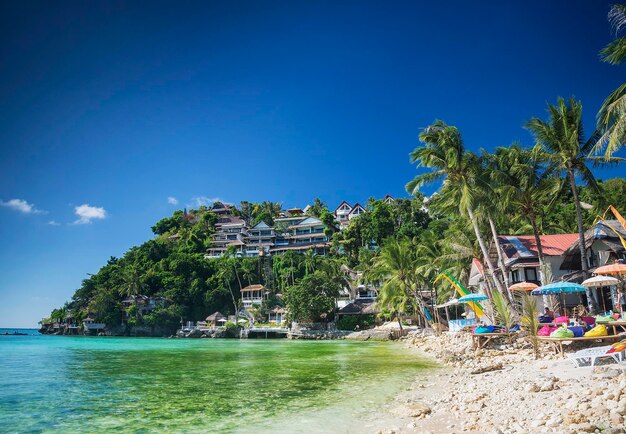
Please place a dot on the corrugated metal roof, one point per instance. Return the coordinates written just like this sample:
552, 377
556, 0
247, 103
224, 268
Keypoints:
552, 245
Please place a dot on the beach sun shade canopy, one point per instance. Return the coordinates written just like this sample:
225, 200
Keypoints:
472, 297
611, 269
451, 302
558, 288
523, 286
600, 281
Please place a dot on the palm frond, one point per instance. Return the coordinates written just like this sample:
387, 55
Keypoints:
530, 320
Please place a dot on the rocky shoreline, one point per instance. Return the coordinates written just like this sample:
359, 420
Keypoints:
505, 390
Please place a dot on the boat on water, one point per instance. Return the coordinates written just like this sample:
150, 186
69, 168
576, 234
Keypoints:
15, 333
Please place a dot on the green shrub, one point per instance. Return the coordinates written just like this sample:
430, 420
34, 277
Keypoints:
232, 329
353, 321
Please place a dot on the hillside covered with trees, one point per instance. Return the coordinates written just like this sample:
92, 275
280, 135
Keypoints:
172, 265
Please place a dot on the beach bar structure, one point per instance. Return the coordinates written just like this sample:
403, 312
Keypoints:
215, 319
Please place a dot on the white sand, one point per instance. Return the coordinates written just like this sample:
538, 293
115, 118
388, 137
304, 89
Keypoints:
526, 396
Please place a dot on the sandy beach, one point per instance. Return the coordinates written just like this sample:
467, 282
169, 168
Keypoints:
523, 395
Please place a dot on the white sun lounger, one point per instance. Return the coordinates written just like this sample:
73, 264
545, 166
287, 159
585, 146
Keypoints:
589, 356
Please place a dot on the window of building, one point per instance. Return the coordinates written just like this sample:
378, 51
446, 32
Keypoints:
515, 276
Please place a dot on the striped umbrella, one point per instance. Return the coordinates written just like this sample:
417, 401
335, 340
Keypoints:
600, 281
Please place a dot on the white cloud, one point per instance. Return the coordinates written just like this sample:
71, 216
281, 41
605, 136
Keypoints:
172, 200
87, 213
206, 201
54, 223
22, 206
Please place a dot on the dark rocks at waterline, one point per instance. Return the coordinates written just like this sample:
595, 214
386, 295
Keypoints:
371, 335
198, 334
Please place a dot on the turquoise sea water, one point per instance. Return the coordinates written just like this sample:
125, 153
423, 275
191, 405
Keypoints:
89, 384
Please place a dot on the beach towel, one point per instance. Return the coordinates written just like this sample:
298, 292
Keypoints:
562, 332
598, 330
617, 347
483, 329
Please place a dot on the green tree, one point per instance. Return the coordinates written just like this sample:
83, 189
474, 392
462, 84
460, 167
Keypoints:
317, 209
313, 298
562, 138
612, 114
525, 182
444, 153
397, 268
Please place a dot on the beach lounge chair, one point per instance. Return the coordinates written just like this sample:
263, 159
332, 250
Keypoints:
589, 356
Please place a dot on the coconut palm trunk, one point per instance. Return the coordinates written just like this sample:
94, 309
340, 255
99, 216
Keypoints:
505, 277
542, 259
581, 241
494, 233
483, 248
581, 229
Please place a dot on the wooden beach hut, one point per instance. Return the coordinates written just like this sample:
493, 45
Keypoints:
214, 319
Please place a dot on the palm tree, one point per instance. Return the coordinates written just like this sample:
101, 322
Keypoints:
444, 152
612, 114
524, 182
562, 139
397, 267
133, 283
226, 275
309, 261
487, 191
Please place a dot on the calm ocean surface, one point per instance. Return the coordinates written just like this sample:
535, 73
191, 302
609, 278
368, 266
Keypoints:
89, 384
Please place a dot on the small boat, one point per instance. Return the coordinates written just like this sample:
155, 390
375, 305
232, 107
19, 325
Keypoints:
15, 333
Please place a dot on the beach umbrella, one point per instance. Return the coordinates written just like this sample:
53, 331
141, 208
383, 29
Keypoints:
600, 281
451, 302
523, 286
472, 297
558, 288
612, 269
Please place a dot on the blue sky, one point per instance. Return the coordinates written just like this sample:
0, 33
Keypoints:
109, 108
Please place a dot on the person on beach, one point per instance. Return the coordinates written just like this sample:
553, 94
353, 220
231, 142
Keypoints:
621, 301
547, 316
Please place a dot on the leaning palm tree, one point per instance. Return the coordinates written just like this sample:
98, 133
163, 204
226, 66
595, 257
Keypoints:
445, 154
525, 182
612, 114
562, 138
